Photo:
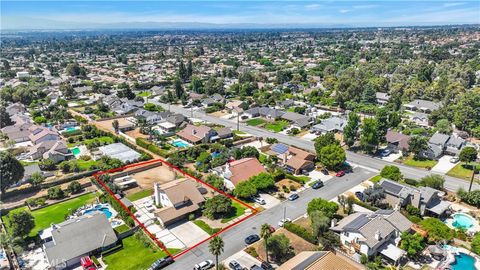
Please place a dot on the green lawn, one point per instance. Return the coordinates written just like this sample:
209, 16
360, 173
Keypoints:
238, 132
139, 195
85, 165
277, 126
204, 226
239, 210
52, 214
425, 163
460, 171
144, 94
376, 178
122, 228
134, 255
26, 163
255, 122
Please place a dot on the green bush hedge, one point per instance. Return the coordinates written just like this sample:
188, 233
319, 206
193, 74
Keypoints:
300, 231
365, 205
151, 147
67, 134
299, 179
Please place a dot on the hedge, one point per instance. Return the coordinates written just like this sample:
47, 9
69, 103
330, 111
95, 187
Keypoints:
151, 147
297, 179
366, 205
300, 231
76, 132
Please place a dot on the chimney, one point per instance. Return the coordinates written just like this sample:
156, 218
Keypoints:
285, 157
333, 222
378, 235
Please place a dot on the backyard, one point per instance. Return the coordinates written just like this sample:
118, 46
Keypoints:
461, 171
255, 122
277, 126
142, 259
140, 195
52, 214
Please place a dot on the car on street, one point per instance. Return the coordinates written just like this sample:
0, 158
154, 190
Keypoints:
317, 184
161, 263
283, 221
258, 200
204, 265
256, 267
252, 239
454, 160
234, 265
340, 173
360, 196
293, 197
266, 266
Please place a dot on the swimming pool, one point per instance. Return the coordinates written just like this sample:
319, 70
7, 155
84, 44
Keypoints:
463, 262
179, 144
70, 129
99, 208
462, 221
75, 151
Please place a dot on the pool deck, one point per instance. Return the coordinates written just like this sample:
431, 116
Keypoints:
465, 251
475, 228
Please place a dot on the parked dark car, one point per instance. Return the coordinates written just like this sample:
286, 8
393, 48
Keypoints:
317, 184
360, 196
252, 239
256, 267
234, 265
267, 266
162, 263
293, 197
324, 171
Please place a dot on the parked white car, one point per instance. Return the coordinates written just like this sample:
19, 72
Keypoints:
283, 221
258, 200
204, 265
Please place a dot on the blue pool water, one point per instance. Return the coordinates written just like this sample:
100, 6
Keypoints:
99, 208
178, 143
71, 128
463, 262
462, 221
215, 154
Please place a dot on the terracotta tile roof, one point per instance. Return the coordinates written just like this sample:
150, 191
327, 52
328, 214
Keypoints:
318, 260
244, 168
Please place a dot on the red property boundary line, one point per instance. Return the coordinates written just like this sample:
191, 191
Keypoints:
160, 244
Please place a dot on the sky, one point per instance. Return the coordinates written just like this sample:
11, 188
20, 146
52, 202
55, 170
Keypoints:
51, 14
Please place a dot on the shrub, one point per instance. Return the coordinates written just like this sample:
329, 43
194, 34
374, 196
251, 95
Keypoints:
300, 231
411, 182
293, 188
74, 187
391, 172
252, 252
412, 210
434, 181
55, 193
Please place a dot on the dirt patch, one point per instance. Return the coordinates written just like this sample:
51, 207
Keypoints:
136, 134
289, 184
107, 124
219, 113
298, 243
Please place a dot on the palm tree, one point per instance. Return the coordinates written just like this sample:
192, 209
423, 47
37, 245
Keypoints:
216, 248
265, 233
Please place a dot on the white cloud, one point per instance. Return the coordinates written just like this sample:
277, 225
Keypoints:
344, 10
312, 6
452, 4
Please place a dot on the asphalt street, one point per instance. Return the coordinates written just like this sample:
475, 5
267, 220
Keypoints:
451, 183
234, 237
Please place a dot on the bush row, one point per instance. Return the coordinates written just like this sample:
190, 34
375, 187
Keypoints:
300, 231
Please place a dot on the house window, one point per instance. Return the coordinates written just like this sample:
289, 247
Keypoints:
347, 234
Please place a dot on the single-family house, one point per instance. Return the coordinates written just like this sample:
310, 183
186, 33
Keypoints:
42, 134
294, 159
454, 145
332, 124
420, 119
151, 117
373, 234
397, 141
382, 98
208, 101
436, 145
176, 119
421, 105
54, 150
196, 134
67, 242
32, 169
238, 171
15, 108
20, 131
217, 98
265, 112
298, 120
178, 199
316, 260
427, 199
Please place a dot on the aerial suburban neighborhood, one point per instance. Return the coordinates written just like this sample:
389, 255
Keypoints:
317, 148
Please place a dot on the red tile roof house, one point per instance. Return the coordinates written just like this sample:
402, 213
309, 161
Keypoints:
196, 134
238, 171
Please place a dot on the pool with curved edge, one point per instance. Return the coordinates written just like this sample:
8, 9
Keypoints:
105, 210
463, 262
462, 221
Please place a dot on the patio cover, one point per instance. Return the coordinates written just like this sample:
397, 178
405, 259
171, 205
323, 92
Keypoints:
440, 207
392, 252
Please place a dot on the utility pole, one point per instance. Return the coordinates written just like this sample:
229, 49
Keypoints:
238, 121
471, 180
284, 213
191, 112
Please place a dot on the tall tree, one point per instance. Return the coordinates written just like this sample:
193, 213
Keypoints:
369, 139
417, 145
179, 92
320, 223
21, 223
216, 248
265, 233
381, 118
351, 129
189, 69
11, 169
324, 140
115, 125
5, 119
332, 156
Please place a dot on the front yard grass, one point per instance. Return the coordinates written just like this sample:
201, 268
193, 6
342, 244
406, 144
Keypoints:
52, 214
122, 228
140, 195
255, 122
134, 255
277, 126
144, 94
204, 226
239, 210
460, 171
375, 179
421, 163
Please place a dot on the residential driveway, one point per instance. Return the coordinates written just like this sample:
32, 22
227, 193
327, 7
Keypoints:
243, 258
270, 201
444, 165
317, 175
309, 136
143, 214
392, 157
166, 237
188, 233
